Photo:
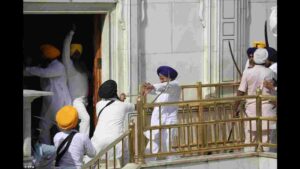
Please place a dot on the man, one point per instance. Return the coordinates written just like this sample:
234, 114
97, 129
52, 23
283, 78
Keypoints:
111, 113
77, 80
251, 80
250, 62
71, 145
43, 155
168, 90
272, 59
250, 52
53, 79
272, 64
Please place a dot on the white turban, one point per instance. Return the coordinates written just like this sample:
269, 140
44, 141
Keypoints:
260, 55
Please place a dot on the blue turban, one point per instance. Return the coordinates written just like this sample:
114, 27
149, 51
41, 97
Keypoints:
272, 54
167, 71
251, 51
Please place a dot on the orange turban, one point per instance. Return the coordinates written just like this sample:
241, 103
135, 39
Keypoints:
50, 51
67, 118
259, 44
74, 47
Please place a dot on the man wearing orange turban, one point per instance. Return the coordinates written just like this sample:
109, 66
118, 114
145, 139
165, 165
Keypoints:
79, 143
77, 80
52, 79
49, 51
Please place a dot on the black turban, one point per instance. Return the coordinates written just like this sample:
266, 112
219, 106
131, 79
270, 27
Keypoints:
272, 54
108, 90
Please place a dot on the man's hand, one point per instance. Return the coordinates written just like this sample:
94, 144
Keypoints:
73, 27
147, 87
269, 84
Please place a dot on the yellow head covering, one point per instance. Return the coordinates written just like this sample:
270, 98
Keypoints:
67, 118
50, 51
74, 47
259, 44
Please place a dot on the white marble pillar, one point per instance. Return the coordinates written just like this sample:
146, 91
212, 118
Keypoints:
28, 97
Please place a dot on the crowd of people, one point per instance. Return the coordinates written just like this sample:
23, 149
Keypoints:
68, 80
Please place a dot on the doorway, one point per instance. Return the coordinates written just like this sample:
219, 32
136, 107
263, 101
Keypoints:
52, 28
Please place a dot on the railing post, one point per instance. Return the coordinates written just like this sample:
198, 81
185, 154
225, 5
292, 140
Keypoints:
199, 90
201, 114
131, 141
258, 121
140, 128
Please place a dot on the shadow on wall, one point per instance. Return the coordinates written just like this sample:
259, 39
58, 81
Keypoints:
141, 45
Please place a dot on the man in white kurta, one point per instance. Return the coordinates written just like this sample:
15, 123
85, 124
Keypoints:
252, 79
67, 119
111, 120
168, 91
77, 81
272, 60
52, 79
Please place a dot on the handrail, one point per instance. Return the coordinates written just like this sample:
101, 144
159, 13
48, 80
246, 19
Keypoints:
111, 145
211, 85
221, 84
228, 132
215, 100
208, 122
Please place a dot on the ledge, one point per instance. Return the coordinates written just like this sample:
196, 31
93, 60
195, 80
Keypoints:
132, 166
207, 158
35, 93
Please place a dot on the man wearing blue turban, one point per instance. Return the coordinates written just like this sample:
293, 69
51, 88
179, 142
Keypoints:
167, 91
250, 62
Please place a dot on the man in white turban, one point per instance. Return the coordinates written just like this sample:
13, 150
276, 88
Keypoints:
251, 80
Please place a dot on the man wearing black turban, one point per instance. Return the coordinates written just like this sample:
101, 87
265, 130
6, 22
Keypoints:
108, 90
111, 114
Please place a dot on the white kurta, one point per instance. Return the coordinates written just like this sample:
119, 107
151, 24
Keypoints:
252, 79
110, 125
246, 65
168, 115
273, 67
53, 79
78, 86
80, 145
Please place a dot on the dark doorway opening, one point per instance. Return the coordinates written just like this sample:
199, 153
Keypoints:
52, 28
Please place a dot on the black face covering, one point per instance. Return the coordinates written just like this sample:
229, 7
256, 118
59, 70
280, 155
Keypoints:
78, 62
108, 90
45, 62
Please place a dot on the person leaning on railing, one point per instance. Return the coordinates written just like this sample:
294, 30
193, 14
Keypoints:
252, 79
111, 114
167, 91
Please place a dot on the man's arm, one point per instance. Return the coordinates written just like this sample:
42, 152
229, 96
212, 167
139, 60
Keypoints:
89, 148
237, 103
66, 59
47, 72
162, 86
